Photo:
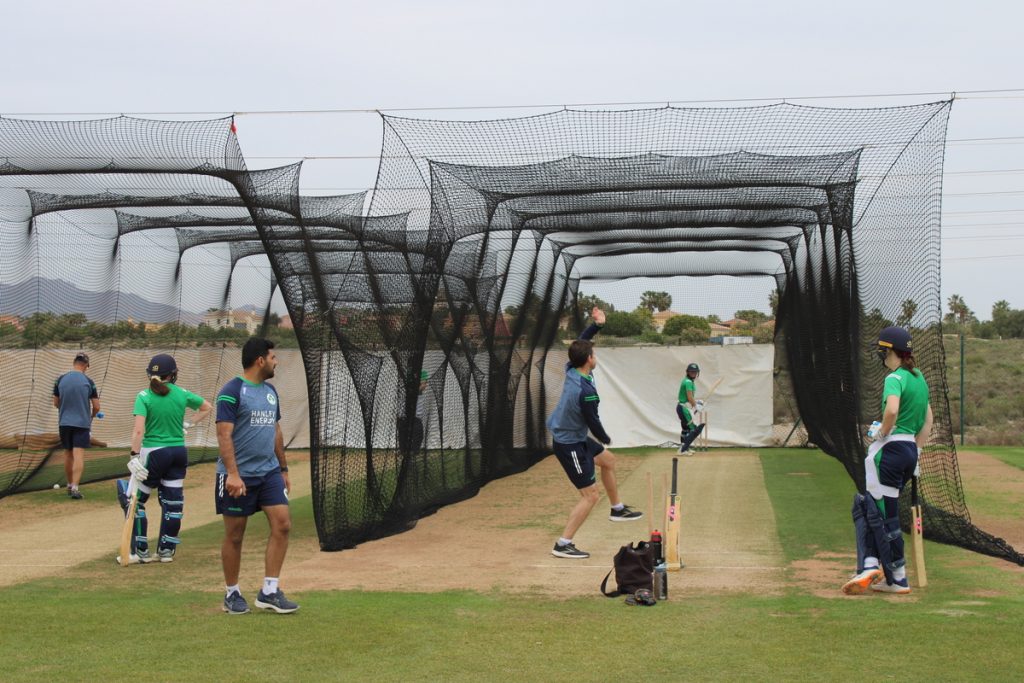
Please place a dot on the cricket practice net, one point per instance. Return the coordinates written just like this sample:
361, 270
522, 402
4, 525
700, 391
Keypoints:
456, 272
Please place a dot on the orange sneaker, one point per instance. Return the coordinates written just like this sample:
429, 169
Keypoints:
860, 583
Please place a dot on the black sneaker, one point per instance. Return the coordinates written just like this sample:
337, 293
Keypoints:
626, 514
569, 551
74, 494
236, 604
276, 602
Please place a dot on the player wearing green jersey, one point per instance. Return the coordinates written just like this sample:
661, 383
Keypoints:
159, 457
687, 407
891, 462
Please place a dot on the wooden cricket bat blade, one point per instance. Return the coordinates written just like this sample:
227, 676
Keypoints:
129, 525
672, 525
918, 544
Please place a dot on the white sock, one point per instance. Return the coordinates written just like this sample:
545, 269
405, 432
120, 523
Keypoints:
899, 573
564, 541
269, 585
618, 506
870, 563
228, 590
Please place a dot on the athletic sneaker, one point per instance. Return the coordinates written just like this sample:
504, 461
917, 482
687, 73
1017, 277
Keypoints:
626, 514
683, 448
860, 583
165, 555
236, 604
75, 494
569, 551
276, 602
137, 558
900, 587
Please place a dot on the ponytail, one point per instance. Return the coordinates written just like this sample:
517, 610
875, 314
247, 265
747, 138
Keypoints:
157, 386
907, 362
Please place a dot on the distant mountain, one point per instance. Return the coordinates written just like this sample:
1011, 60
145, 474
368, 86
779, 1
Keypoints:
41, 294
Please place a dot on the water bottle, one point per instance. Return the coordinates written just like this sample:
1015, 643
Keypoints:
661, 581
99, 415
656, 547
873, 430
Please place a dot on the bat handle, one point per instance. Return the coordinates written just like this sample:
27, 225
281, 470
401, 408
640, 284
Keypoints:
913, 491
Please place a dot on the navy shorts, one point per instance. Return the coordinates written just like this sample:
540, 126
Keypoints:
685, 420
260, 492
578, 461
74, 437
166, 464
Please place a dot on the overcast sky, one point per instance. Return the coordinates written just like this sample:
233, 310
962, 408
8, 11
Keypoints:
223, 57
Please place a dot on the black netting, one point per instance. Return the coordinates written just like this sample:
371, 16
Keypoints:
471, 255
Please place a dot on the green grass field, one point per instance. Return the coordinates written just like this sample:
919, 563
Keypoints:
167, 626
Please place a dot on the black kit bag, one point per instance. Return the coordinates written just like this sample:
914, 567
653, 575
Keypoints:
634, 570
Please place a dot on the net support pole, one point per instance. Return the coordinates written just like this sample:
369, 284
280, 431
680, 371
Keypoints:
963, 390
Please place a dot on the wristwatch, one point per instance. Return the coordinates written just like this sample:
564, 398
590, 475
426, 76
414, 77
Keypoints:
284, 469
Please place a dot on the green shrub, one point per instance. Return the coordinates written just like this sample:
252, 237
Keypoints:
675, 325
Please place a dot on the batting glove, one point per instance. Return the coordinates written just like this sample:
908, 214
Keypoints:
699, 407
137, 469
917, 467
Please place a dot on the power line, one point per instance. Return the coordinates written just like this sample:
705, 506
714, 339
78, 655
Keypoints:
1003, 93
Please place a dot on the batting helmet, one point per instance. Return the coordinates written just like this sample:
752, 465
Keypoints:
693, 367
896, 338
161, 365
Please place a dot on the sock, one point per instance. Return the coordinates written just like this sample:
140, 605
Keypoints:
564, 541
269, 585
899, 573
618, 506
228, 590
870, 562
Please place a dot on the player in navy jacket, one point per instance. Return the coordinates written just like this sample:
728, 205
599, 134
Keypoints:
574, 416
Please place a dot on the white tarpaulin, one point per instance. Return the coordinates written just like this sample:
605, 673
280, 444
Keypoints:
639, 389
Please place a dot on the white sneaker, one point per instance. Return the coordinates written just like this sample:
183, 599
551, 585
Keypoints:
900, 587
135, 559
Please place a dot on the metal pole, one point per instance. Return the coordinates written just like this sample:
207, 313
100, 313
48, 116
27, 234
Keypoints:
963, 391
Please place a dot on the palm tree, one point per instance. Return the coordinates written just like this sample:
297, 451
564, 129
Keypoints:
959, 311
907, 311
652, 301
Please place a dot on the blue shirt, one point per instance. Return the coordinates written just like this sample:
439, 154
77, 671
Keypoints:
254, 410
76, 392
576, 412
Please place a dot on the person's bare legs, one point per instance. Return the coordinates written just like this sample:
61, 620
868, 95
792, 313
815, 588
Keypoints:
231, 548
606, 461
588, 499
280, 521
78, 456
69, 465
74, 463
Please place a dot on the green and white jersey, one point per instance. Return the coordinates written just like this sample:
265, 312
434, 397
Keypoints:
687, 385
165, 415
913, 393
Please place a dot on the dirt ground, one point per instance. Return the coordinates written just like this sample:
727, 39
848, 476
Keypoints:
500, 540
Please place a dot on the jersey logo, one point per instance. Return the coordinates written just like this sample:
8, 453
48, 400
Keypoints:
271, 399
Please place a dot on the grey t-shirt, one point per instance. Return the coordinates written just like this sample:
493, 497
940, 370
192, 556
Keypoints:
76, 392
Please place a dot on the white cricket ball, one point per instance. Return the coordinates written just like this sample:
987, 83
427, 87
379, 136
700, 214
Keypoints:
56, 486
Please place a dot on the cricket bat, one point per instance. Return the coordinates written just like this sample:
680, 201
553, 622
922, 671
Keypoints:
917, 533
672, 527
129, 522
714, 387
